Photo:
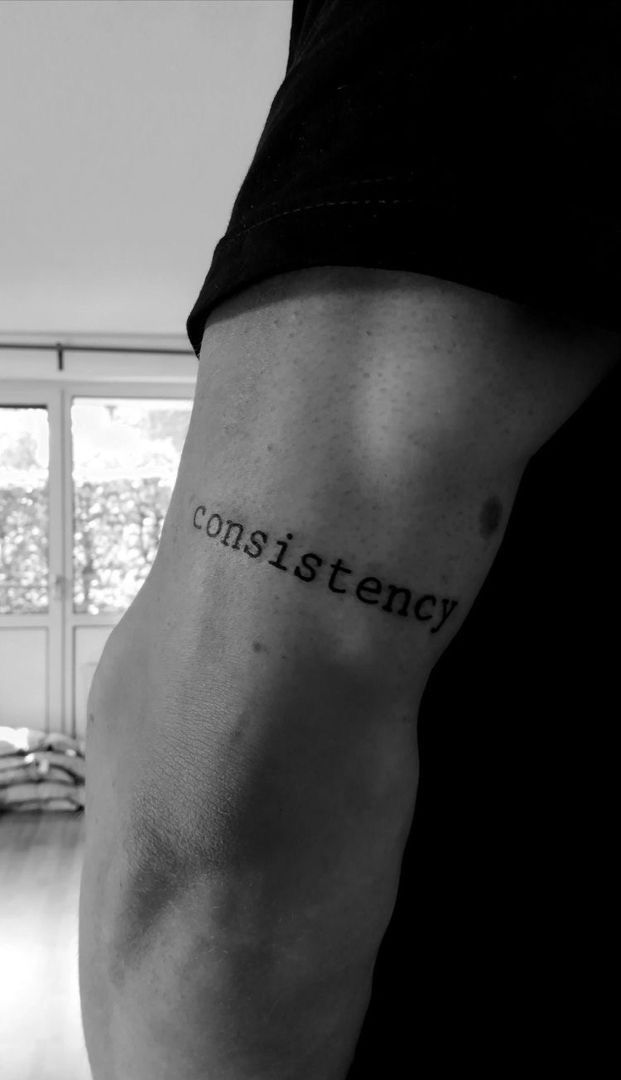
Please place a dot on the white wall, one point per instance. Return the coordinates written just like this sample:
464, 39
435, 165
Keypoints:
126, 128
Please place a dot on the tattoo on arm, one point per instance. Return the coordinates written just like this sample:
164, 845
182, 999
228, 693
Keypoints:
399, 600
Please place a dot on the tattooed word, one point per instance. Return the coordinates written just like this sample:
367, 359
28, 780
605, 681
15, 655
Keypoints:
399, 601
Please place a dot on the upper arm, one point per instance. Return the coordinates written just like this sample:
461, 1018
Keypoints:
355, 446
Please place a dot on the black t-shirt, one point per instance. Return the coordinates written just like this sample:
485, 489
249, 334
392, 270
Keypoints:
476, 142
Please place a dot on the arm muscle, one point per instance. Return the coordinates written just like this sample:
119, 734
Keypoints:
355, 448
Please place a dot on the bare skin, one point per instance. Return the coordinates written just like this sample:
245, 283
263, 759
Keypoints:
252, 746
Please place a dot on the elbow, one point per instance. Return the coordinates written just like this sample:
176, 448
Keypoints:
245, 992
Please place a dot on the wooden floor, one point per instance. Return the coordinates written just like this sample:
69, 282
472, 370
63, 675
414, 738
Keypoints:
40, 1027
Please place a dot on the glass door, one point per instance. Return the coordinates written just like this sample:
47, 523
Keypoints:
86, 476
31, 637
125, 458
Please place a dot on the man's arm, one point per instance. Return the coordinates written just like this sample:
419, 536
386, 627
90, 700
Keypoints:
356, 444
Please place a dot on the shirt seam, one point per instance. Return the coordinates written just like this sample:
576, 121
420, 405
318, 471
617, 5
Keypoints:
319, 205
441, 205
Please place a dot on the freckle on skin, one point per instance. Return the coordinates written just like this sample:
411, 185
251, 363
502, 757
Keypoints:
490, 516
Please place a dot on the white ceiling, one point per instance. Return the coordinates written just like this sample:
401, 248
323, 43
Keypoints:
126, 128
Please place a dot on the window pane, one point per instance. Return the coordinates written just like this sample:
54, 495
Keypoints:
24, 509
126, 454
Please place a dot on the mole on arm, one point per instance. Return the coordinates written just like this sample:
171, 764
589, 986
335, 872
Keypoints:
490, 516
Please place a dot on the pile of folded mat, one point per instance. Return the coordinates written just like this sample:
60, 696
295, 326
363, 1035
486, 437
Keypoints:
40, 770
